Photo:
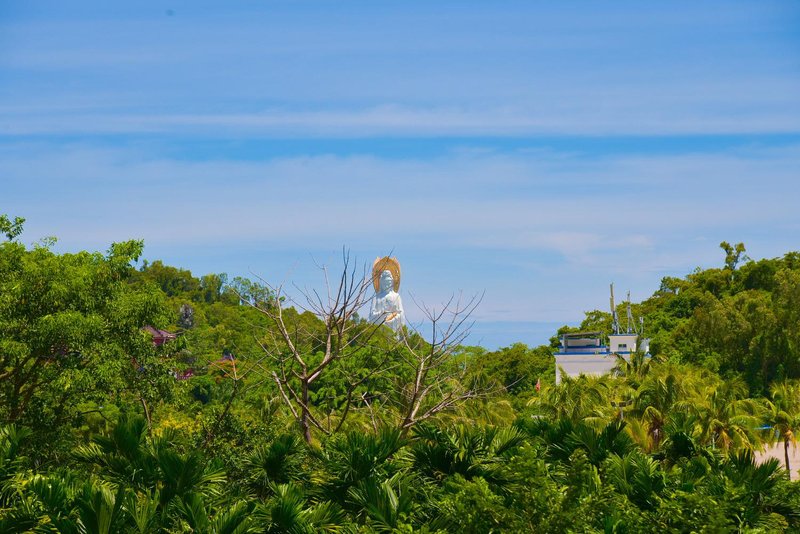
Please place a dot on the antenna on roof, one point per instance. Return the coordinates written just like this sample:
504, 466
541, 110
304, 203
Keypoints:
614, 318
629, 319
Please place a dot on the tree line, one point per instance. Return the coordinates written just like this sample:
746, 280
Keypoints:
273, 412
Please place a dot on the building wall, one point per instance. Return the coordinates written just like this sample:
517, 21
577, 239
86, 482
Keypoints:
628, 340
576, 364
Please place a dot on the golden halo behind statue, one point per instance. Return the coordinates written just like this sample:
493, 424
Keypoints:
385, 264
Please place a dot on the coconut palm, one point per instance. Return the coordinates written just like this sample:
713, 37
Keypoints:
782, 415
488, 411
635, 368
598, 445
724, 417
679, 443
655, 398
562, 438
575, 398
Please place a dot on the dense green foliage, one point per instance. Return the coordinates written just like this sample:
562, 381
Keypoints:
101, 430
71, 338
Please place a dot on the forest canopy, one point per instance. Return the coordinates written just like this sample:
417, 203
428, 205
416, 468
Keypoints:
147, 399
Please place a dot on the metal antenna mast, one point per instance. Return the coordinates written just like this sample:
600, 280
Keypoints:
630, 323
614, 318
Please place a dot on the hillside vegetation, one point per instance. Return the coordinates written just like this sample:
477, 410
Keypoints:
261, 416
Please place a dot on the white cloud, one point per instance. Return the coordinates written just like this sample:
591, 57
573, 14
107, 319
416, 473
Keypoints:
621, 117
279, 71
542, 232
509, 201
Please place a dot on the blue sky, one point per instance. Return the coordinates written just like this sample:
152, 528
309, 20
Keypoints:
536, 151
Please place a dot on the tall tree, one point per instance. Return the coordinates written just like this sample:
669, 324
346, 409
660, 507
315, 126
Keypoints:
725, 418
70, 328
11, 229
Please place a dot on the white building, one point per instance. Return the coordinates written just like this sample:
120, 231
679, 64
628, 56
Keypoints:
584, 353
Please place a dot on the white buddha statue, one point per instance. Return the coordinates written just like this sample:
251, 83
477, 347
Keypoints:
387, 306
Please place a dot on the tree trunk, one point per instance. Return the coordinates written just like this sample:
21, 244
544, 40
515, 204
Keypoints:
304, 424
786, 456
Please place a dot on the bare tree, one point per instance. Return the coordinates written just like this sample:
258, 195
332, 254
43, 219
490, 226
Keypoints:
435, 382
438, 383
294, 371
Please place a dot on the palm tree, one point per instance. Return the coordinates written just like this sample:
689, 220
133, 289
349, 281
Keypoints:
289, 511
100, 509
350, 458
11, 439
123, 457
679, 442
488, 411
598, 445
182, 474
143, 511
152, 469
635, 368
43, 500
659, 392
563, 437
234, 519
637, 476
277, 462
764, 500
725, 419
782, 414
575, 398
57, 502
385, 502
466, 450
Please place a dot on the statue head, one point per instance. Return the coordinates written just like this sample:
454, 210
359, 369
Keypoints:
382, 267
386, 282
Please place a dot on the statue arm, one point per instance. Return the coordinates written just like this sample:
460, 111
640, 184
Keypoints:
400, 313
374, 314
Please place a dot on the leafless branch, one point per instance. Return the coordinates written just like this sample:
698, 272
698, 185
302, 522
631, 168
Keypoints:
433, 390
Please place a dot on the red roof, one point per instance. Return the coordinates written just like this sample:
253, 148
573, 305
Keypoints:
159, 336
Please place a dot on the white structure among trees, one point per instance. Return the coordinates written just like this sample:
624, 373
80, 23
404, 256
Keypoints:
584, 352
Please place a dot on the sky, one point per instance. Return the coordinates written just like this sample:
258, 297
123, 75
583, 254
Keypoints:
530, 152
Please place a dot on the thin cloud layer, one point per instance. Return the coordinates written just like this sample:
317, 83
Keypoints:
284, 70
591, 217
525, 149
